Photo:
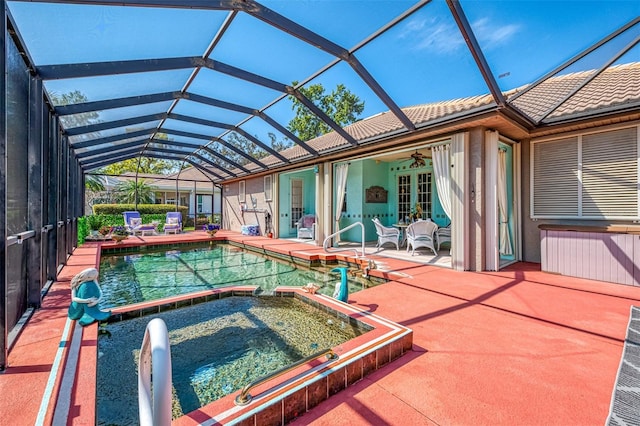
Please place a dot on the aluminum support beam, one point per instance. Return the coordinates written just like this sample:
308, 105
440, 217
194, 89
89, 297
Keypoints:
114, 138
35, 274
476, 51
114, 156
167, 96
95, 69
79, 108
287, 133
49, 72
97, 163
199, 157
215, 139
111, 148
590, 78
204, 169
4, 336
92, 128
229, 127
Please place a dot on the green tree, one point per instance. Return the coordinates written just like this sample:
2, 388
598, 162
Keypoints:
243, 144
93, 183
341, 105
126, 192
76, 120
279, 145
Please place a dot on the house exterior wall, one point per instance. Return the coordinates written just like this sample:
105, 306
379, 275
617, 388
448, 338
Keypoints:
476, 206
285, 230
250, 211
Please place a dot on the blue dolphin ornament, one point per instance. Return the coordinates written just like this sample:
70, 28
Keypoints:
342, 291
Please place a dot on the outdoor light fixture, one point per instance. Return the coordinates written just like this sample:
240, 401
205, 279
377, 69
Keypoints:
418, 161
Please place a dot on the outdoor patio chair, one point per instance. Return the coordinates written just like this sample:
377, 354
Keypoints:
173, 223
422, 234
307, 226
133, 224
386, 234
444, 235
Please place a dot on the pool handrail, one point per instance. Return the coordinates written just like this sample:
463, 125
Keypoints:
155, 350
330, 237
244, 397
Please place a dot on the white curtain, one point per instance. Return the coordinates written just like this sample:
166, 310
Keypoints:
441, 156
341, 186
505, 240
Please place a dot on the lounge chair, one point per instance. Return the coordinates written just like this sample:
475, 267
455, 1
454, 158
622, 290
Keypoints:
133, 224
422, 234
307, 226
386, 234
173, 223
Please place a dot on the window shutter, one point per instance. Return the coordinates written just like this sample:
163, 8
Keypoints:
267, 188
610, 174
555, 178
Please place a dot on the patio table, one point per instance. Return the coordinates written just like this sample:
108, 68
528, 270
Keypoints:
403, 232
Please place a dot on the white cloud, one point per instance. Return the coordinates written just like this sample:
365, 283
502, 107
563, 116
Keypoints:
442, 37
490, 36
432, 35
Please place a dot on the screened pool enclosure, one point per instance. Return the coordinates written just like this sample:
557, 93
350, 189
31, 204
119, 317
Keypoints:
92, 83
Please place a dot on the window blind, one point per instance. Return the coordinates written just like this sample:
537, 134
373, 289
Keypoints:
555, 184
610, 174
592, 176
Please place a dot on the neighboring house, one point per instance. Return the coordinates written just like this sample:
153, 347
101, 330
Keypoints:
189, 188
563, 152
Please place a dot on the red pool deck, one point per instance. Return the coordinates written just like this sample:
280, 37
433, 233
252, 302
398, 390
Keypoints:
515, 347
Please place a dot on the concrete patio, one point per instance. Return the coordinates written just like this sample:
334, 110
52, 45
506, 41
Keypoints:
518, 346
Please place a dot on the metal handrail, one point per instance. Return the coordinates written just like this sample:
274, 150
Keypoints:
244, 397
19, 237
155, 352
353, 225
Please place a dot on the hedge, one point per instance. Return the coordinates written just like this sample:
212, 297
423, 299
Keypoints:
142, 208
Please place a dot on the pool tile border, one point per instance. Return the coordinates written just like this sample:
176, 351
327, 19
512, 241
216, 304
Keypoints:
280, 400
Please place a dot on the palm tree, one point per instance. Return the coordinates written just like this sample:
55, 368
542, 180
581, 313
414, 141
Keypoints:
126, 192
93, 183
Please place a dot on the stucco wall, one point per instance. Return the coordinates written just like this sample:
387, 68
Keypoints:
256, 206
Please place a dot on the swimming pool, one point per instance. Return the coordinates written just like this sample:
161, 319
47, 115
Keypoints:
216, 349
128, 278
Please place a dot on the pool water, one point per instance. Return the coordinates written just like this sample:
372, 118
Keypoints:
132, 278
216, 348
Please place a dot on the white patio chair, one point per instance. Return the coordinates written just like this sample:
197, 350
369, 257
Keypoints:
422, 234
386, 234
444, 235
306, 226
133, 223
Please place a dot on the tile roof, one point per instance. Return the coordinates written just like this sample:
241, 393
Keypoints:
386, 123
615, 88
618, 87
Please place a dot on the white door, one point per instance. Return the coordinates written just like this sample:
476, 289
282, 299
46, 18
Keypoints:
296, 204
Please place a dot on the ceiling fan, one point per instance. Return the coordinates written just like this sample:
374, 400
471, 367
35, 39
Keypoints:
418, 161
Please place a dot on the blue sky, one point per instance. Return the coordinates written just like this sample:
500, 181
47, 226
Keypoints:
422, 59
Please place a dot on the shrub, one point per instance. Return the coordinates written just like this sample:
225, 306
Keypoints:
94, 222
